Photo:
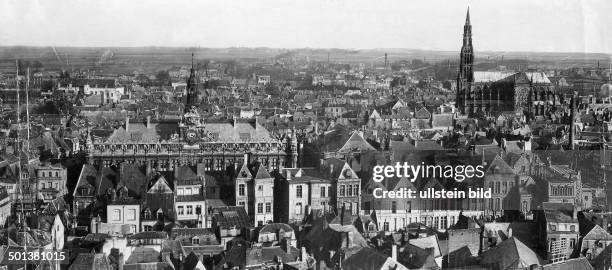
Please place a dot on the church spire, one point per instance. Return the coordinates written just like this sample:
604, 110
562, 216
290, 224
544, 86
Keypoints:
465, 78
191, 99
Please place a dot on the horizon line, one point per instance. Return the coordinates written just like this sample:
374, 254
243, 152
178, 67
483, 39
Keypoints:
300, 48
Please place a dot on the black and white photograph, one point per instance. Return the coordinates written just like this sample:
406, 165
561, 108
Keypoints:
305, 134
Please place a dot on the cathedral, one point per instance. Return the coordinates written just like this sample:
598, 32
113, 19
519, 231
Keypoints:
501, 92
164, 145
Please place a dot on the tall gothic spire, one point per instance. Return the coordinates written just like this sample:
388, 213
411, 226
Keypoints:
465, 78
467, 30
192, 88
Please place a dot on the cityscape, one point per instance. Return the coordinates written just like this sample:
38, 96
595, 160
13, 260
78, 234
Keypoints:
196, 157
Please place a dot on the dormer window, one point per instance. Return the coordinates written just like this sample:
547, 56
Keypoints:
147, 214
195, 240
553, 228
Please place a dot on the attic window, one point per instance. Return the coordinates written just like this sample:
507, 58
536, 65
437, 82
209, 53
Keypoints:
195, 240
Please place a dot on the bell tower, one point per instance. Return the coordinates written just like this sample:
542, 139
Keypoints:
191, 99
465, 78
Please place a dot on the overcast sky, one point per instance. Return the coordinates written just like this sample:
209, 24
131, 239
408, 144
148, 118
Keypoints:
506, 25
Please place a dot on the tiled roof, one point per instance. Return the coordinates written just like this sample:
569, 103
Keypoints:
232, 216
510, 254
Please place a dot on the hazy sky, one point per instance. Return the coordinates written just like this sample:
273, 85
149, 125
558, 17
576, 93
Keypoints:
506, 25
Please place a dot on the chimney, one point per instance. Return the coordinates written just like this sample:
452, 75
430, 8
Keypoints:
127, 122
509, 232
394, 252
148, 121
288, 175
149, 168
575, 213
246, 159
286, 246
304, 254
331, 170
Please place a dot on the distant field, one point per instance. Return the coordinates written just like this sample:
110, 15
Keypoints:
152, 59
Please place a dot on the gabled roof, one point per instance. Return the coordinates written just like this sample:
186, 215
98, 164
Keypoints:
510, 254
245, 172
87, 177
107, 179
132, 177
356, 143
499, 166
185, 175
160, 185
430, 241
598, 233
262, 172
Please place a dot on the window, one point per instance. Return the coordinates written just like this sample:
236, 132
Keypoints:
131, 214
322, 191
573, 228
187, 191
298, 208
298, 191
260, 187
189, 210
195, 241
180, 191
148, 228
443, 223
553, 228
356, 190
241, 190
341, 190
259, 208
504, 187
393, 207
268, 207
349, 190
408, 207
241, 204
181, 210
116, 215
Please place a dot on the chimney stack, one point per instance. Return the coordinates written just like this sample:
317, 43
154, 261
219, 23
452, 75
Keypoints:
246, 159
288, 175
148, 121
127, 122
394, 252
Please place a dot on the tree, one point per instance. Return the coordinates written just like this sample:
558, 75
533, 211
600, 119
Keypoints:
163, 76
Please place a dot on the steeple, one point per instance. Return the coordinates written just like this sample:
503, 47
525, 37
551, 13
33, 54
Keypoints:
465, 78
191, 99
467, 30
